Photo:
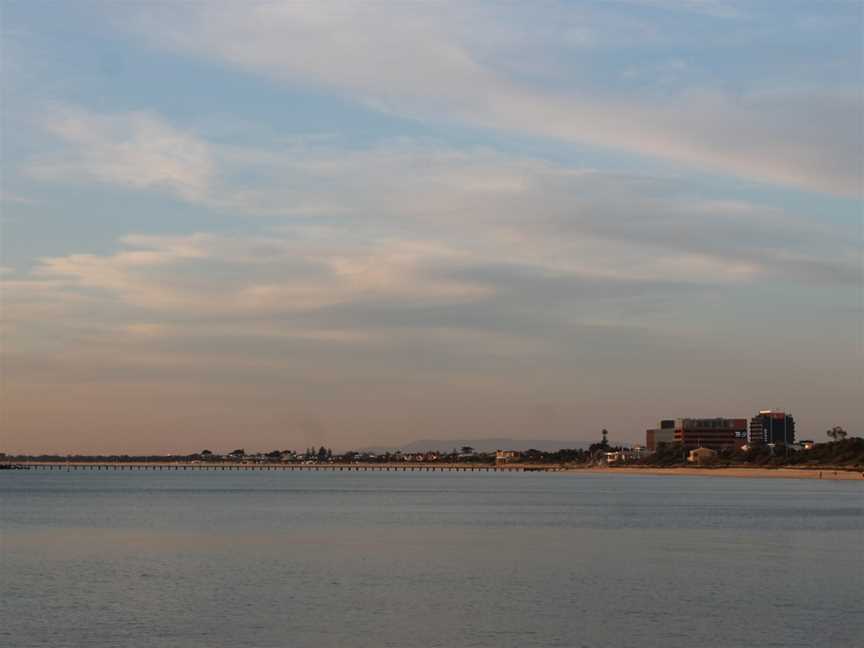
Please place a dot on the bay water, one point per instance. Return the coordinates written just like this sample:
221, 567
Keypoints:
307, 559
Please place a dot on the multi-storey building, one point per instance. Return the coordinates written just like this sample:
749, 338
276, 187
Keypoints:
771, 427
714, 433
664, 433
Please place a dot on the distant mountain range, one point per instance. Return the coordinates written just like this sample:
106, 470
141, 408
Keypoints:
484, 445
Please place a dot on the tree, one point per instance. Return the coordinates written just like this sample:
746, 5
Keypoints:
666, 454
467, 450
837, 433
322, 454
206, 453
239, 452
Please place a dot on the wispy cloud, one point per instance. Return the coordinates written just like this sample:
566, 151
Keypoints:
16, 199
457, 249
716, 8
381, 209
260, 276
137, 150
790, 137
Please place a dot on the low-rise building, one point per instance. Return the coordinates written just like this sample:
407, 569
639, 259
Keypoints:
506, 456
640, 452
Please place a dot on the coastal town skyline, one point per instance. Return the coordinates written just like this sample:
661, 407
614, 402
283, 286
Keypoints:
718, 432
363, 224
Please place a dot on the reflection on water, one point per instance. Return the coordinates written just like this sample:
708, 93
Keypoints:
386, 559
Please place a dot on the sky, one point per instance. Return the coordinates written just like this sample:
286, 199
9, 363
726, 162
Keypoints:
361, 224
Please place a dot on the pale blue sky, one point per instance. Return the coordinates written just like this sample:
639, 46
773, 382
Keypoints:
359, 224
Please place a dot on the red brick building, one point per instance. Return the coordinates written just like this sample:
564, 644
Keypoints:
713, 433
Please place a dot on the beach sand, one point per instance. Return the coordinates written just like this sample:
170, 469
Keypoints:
782, 473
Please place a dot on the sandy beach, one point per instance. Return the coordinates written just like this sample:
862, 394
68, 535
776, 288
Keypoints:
767, 473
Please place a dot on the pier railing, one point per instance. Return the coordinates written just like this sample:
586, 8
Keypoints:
356, 467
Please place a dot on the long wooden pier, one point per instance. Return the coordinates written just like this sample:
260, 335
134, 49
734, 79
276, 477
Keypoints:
357, 467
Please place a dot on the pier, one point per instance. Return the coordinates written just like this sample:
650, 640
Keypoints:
333, 467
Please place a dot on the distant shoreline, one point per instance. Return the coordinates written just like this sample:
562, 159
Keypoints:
837, 474
827, 473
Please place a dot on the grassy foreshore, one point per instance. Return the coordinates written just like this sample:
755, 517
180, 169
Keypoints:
781, 473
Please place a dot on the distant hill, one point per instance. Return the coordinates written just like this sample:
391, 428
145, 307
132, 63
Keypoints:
490, 445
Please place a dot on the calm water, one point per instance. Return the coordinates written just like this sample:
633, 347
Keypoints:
265, 559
